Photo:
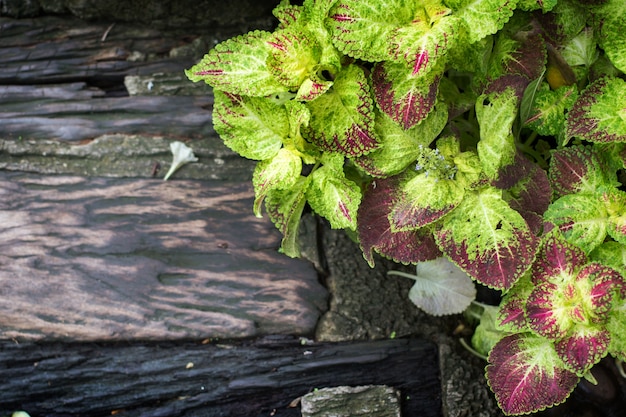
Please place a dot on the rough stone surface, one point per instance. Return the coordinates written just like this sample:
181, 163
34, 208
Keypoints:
365, 401
365, 302
464, 389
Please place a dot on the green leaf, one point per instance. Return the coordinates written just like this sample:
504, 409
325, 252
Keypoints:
528, 99
362, 29
423, 46
399, 147
471, 58
334, 197
611, 254
294, 55
599, 114
581, 217
483, 17
566, 21
440, 287
547, 117
423, 200
342, 119
285, 208
612, 33
469, 169
280, 172
526, 374
581, 50
299, 118
615, 204
487, 334
496, 113
617, 329
253, 127
543, 5
287, 14
238, 66
315, 17
488, 239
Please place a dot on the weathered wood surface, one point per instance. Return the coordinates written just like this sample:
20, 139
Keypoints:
63, 79
123, 156
64, 49
75, 112
187, 14
247, 379
105, 259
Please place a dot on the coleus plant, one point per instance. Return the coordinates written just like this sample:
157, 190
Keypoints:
489, 132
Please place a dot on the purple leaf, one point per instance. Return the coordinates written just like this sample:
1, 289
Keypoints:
530, 58
514, 81
557, 257
511, 312
424, 199
405, 98
529, 188
583, 348
576, 169
543, 316
526, 374
606, 283
374, 229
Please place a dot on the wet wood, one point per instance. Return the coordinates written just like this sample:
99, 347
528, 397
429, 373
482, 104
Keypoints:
260, 378
118, 259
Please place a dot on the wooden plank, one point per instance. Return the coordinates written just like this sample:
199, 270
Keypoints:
52, 49
259, 378
116, 259
124, 156
76, 112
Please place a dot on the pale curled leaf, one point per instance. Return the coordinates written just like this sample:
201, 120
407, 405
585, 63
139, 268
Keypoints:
182, 154
440, 287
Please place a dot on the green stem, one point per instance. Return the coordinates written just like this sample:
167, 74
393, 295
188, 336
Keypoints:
472, 350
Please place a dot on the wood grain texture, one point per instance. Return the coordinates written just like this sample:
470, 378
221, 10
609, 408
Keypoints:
53, 49
77, 112
245, 379
63, 79
114, 259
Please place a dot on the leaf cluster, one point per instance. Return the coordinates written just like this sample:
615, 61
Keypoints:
486, 132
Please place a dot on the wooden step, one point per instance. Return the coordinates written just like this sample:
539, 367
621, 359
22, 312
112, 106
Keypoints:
117, 259
264, 377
